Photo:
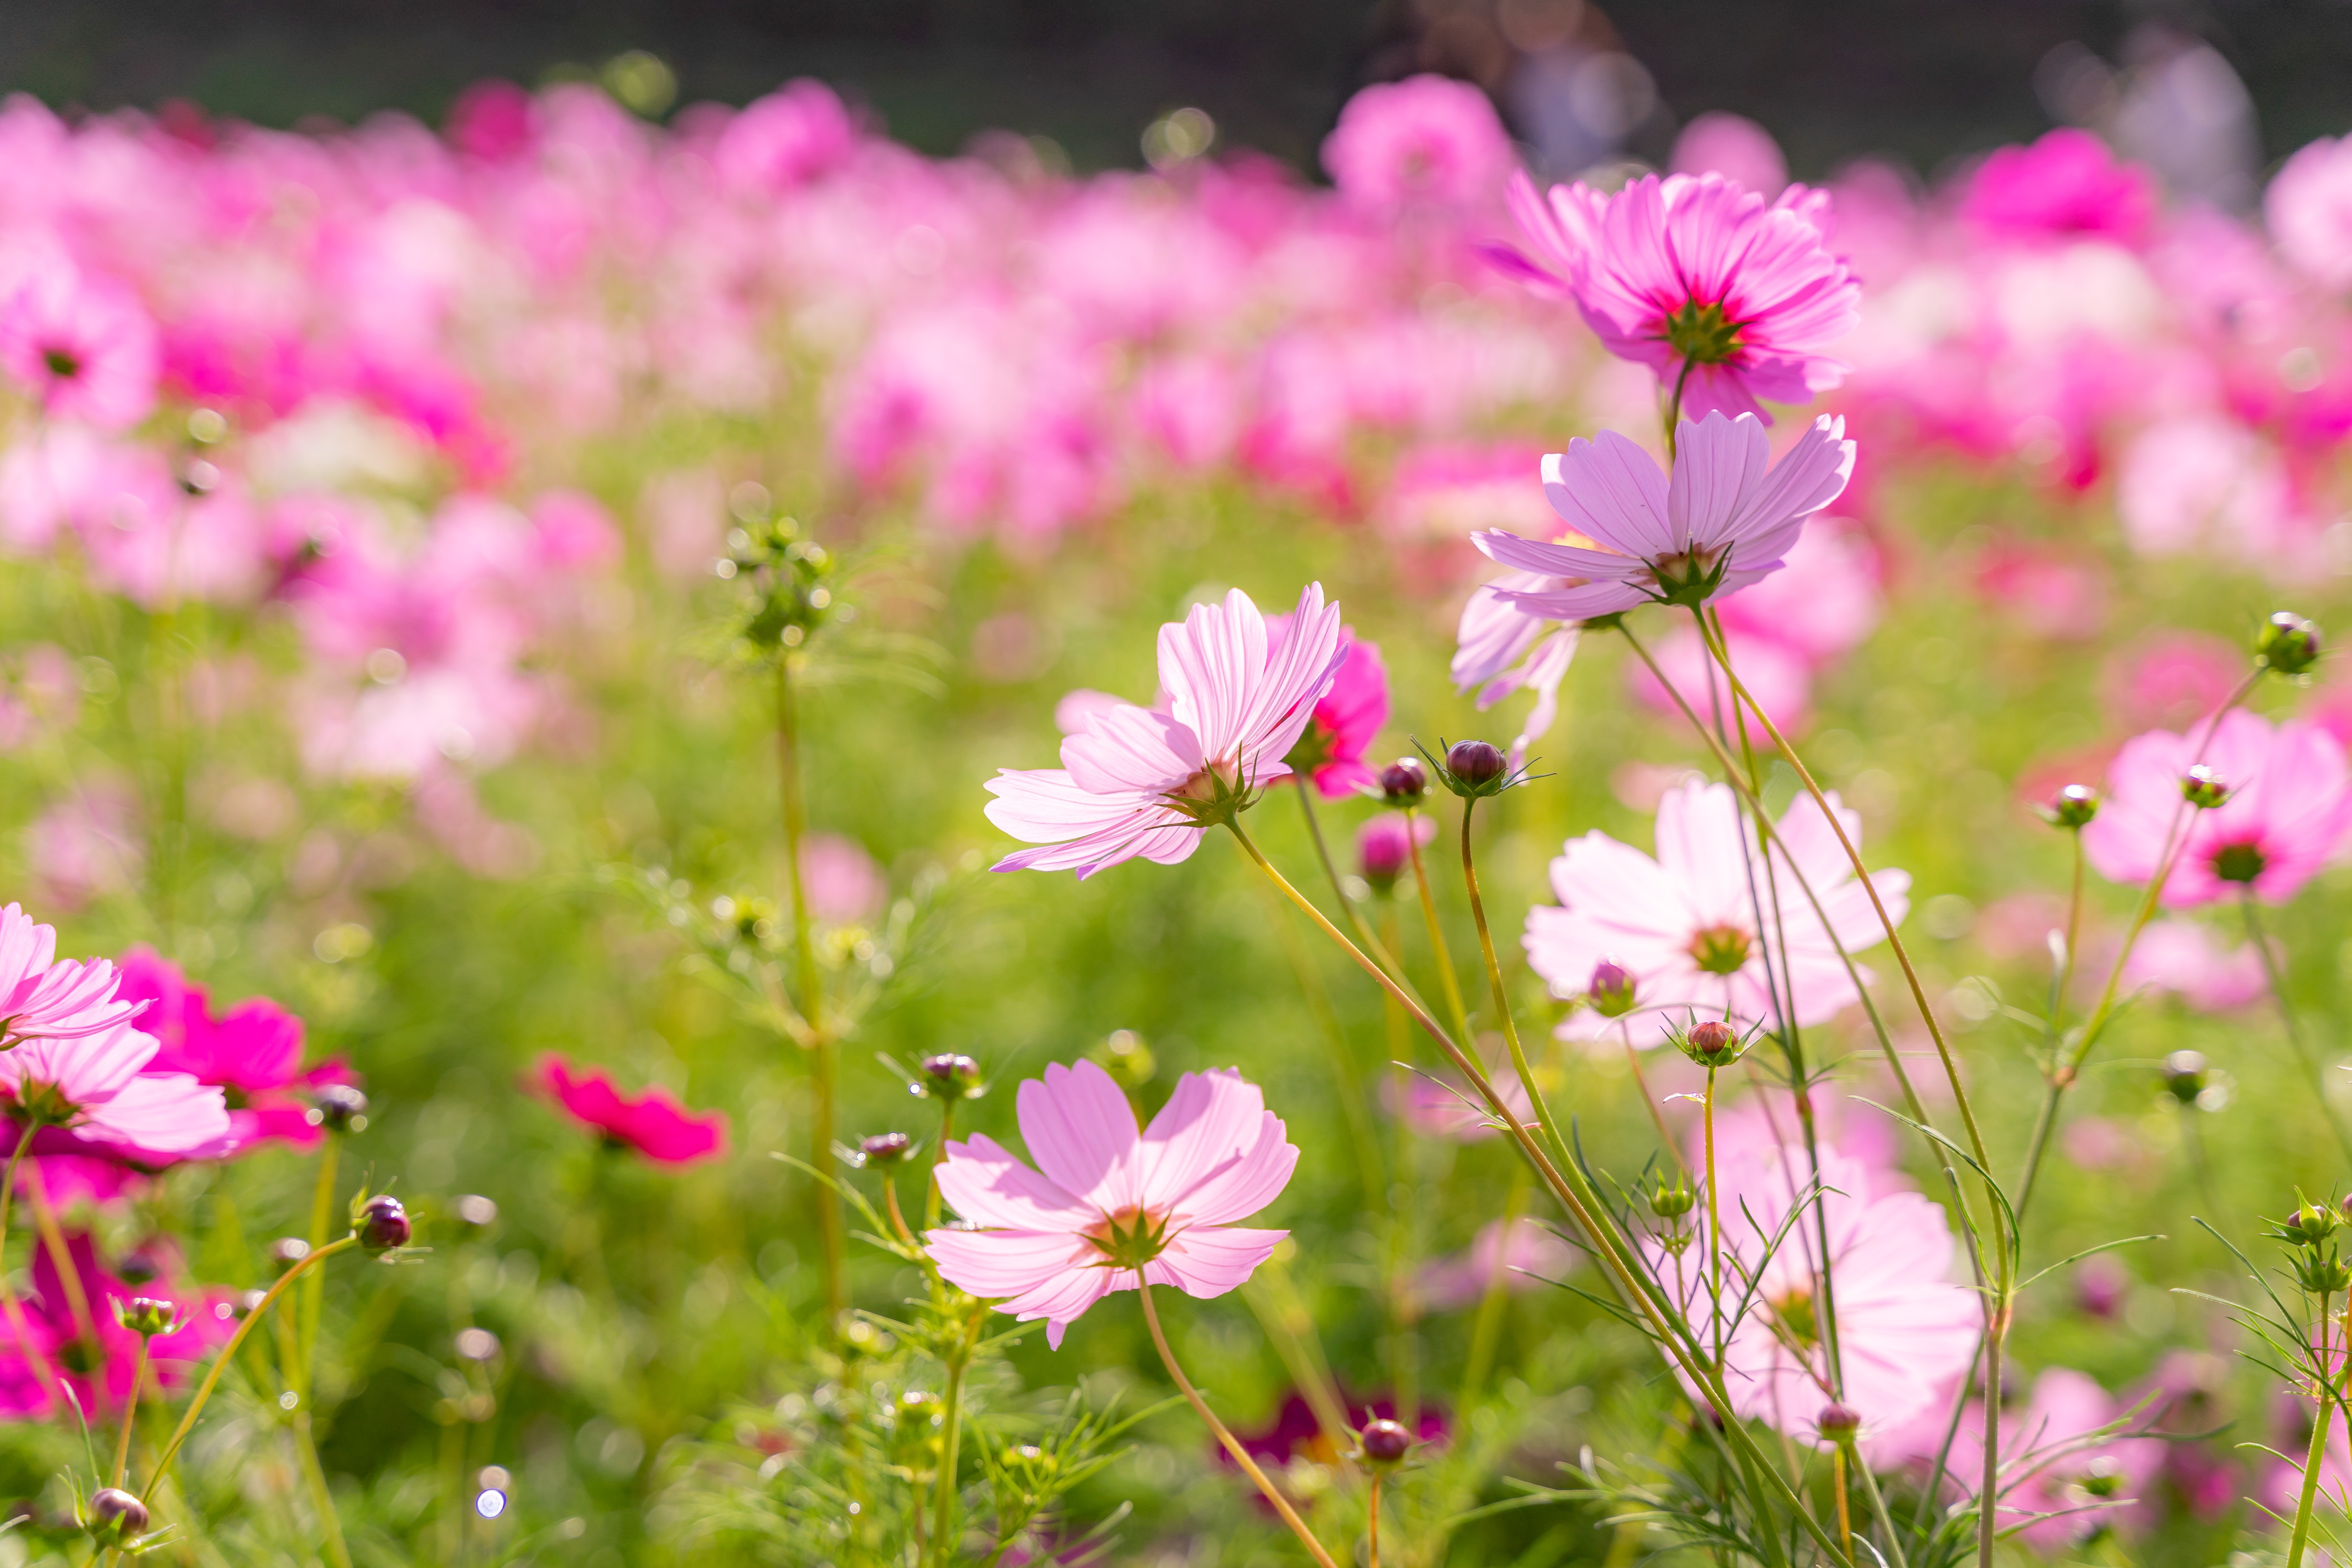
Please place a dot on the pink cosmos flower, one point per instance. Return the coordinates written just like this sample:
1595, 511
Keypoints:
1904, 1328
2066, 186
2309, 209
45, 997
1136, 782
792, 135
83, 345
2053, 1467
1384, 844
1693, 272
95, 1091
654, 1124
1531, 1256
1685, 924
1502, 647
1108, 1206
86, 845
2289, 807
2185, 958
1734, 146
253, 1051
99, 1373
1427, 139
1347, 720
1727, 518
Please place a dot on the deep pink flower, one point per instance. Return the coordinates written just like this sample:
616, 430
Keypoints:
2066, 186
83, 345
1728, 517
1347, 718
96, 1360
1685, 924
1695, 270
1427, 139
1109, 1206
2289, 807
654, 1124
1904, 1328
493, 121
788, 138
1138, 781
95, 1094
1384, 844
253, 1051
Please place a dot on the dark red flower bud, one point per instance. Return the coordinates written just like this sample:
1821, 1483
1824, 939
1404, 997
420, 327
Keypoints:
1710, 1044
1609, 991
1385, 1444
1404, 782
383, 1223
885, 1147
949, 1076
116, 1516
1837, 1423
1474, 768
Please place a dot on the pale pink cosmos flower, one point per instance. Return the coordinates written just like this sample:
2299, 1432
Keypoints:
1728, 517
2061, 1483
1427, 139
1685, 925
1139, 782
2186, 958
2289, 807
2309, 209
1734, 146
1530, 1255
1694, 272
83, 345
1905, 1329
1108, 1208
96, 1090
43, 996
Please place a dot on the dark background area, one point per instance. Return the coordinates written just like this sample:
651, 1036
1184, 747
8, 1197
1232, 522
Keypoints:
1923, 80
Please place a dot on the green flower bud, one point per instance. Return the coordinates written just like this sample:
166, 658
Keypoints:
2071, 807
2203, 788
2287, 645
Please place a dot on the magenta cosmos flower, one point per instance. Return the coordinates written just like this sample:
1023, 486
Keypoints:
1109, 1206
85, 346
1139, 782
2290, 803
1427, 139
1346, 720
1684, 925
654, 1124
253, 1051
1728, 517
1904, 1328
96, 1093
1698, 278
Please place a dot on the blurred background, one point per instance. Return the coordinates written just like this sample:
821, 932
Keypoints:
1924, 80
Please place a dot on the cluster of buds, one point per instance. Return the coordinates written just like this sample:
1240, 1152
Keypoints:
1671, 1198
2309, 1236
2287, 645
790, 580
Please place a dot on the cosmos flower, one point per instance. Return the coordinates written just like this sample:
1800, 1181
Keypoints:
1108, 1206
253, 1051
1702, 280
1728, 517
2290, 804
1684, 924
1346, 720
96, 1093
83, 345
1531, 1256
1905, 1328
654, 1124
45, 997
2308, 208
1136, 782
96, 1359
2054, 1469
1427, 139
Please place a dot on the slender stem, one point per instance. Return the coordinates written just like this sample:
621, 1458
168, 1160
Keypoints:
33, 1355
1364, 934
2315, 1459
1439, 954
1674, 411
1988, 1495
228, 1353
312, 1300
1488, 1330
1288, 1325
1714, 1219
53, 1242
943, 1511
1837, 1480
2294, 1035
890, 1202
1349, 1087
1501, 997
938, 1157
1372, 1522
810, 999
130, 1409
1878, 1511
2073, 935
322, 1499
1241, 1455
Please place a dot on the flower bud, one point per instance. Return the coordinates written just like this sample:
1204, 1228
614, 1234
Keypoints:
2322, 1273
147, 1317
1384, 849
1610, 992
1710, 1044
1474, 768
1838, 1423
2309, 1225
949, 1076
116, 1516
2203, 788
338, 1108
2287, 645
289, 1250
382, 1224
884, 1149
2184, 1076
1671, 1199
1384, 1444
1404, 782
2071, 807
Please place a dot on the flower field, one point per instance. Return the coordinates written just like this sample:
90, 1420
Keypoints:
725, 845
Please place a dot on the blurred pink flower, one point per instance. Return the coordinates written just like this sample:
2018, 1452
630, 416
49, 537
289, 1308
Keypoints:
1728, 517
1503, 646
2173, 678
2184, 957
99, 1373
86, 845
1114, 1207
1694, 271
1532, 1255
1822, 603
1346, 720
84, 346
1684, 925
1904, 1328
253, 1051
492, 120
2289, 807
1135, 781
1427, 139
2309, 209
2050, 1463
2066, 186
1439, 1108
843, 884
1384, 844
1734, 146
654, 1124
792, 136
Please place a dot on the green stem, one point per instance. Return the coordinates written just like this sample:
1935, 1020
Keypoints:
1241, 1455
228, 1353
130, 1409
314, 1476
1439, 954
1878, 1511
1714, 1218
1502, 1001
312, 1300
1343, 1061
810, 999
1364, 935
2316, 1458
944, 1510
